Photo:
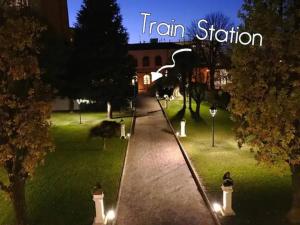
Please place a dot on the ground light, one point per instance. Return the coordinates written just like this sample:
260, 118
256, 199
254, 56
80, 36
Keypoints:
216, 207
213, 111
110, 216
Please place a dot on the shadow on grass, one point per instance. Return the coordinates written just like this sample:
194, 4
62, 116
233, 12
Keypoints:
179, 115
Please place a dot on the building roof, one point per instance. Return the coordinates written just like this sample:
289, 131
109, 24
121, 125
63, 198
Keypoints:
152, 46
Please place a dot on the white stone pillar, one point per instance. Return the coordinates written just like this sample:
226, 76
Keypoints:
227, 201
99, 207
166, 104
123, 130
108, 110
182, 128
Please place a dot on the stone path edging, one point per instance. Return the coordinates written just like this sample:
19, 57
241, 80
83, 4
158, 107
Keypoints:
125, 162
195, 175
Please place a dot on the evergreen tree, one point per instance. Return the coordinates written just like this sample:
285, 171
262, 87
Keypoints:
265, 92
100, 65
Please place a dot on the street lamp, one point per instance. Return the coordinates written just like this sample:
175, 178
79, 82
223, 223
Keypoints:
83, 101
133, 82
213, 111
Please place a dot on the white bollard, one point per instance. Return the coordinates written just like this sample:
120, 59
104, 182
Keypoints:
227, 201
99, 207
123, 130
108, 110
182, 128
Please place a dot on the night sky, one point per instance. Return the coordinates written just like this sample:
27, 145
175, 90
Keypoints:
183, 12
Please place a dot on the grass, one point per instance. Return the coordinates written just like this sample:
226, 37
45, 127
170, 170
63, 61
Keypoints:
60, 191
262, 195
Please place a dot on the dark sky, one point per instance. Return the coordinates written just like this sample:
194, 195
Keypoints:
182, 11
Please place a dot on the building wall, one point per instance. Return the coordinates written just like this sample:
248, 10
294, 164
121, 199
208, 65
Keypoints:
142, 71
55, 13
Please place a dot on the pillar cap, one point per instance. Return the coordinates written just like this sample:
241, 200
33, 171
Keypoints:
227, 188
97, 190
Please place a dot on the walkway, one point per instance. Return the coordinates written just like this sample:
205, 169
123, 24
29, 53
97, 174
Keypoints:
157, 186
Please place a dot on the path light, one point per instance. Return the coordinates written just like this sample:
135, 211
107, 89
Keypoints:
98, 197
128, 135
213, 111
123, 129
227, 188
217, 207
167, 99
182, 128
110, 216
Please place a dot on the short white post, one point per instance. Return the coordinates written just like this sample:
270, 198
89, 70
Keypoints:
227, 201
131, 104
98, 197
108, 110
123, 130
182, 128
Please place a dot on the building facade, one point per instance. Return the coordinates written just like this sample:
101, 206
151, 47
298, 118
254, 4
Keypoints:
53, 12
149, 57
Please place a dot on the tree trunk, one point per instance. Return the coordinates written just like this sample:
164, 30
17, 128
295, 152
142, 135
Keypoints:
212, 78
190, 90
294, 214
71, 105
198, 109
184, 94
109, 110
18, 199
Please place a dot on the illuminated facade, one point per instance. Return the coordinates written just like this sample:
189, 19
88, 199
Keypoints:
149, 57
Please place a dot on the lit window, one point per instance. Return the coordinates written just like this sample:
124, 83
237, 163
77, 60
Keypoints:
147, 80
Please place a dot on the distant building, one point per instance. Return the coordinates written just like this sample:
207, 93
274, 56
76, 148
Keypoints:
54, 12
149, 57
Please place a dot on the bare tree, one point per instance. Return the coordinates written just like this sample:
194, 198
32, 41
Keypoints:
211, 51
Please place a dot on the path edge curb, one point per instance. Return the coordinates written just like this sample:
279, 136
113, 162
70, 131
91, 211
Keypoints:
125, 163
193, 172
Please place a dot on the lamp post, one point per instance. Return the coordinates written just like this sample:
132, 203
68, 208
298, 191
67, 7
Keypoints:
213, 111
133, 82
82, 101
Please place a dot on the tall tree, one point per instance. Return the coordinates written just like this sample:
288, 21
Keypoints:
25, 105
100, 65
211, 51
265, 89
198, 92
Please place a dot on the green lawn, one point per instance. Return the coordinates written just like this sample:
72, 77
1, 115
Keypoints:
60, 192
262, 195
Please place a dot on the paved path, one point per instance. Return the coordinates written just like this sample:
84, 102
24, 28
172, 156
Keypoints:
157, 187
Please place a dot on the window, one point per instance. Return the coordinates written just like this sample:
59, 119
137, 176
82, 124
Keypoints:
146, 61
158, 61
135, 62
147, 79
